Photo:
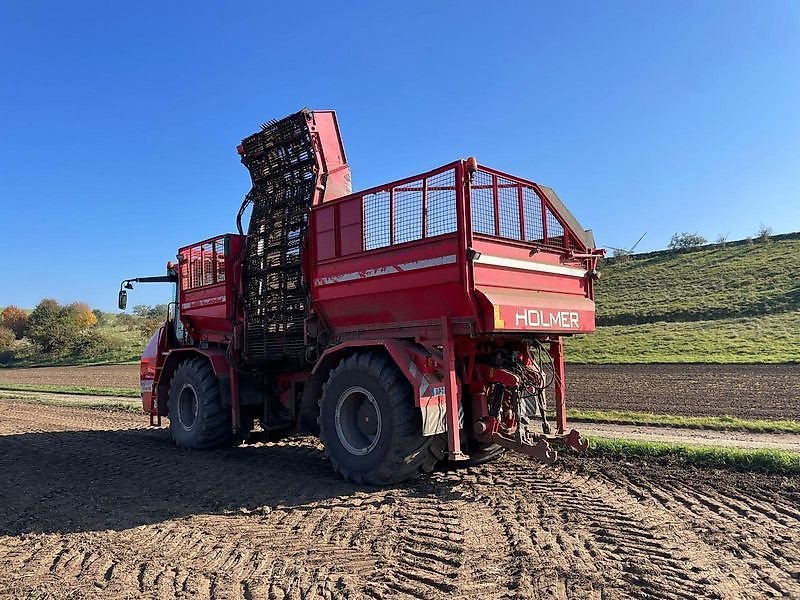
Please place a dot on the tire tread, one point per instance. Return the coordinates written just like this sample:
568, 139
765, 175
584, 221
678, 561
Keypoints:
411, 454
215, 427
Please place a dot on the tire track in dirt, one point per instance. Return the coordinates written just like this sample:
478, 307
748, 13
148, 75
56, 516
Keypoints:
426, 550
576, 536
760, 535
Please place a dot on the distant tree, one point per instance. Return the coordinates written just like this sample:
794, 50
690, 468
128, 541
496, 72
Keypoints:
50, 328
102, 318
764, 233
722, 240
81, 314
7, 339
15, 319
55, 328
91, 343
683, 240
126, 320
159, 311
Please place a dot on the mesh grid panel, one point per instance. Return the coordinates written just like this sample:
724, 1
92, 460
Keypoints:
376, 221
532, 213
441, 205
506, 223
408, 212
396, 216
508, 208
555, 231
482, 203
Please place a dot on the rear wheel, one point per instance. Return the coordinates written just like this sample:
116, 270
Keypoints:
369, 425
481, 453
197, 418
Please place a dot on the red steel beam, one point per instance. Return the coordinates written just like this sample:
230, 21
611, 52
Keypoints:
557, 354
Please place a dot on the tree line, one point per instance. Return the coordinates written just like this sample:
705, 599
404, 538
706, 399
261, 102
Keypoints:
53, 332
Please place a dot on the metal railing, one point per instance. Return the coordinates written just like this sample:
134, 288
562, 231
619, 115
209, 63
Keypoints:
510, 208
410, 210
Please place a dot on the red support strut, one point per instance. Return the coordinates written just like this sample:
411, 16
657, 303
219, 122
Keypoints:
557, 354
451, 393
235, 413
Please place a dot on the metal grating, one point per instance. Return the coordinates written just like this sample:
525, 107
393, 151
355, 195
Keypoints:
482, 203
440, 214
202, 264
555, 230
282, 165
377, 220
508, 208
410, 211
407, 219
532, 214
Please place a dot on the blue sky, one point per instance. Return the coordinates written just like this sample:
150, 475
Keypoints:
119, 121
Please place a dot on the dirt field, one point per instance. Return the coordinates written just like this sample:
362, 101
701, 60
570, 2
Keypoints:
748, 391
93, 505
111, 376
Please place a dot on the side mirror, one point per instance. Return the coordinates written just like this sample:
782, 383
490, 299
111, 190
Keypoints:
123, 299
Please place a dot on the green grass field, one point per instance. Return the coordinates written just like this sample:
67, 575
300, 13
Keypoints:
77, 390
121, 405
738, 304
723, 423
772, 461
764, 339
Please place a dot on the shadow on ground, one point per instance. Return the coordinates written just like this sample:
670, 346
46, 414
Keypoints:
96, 480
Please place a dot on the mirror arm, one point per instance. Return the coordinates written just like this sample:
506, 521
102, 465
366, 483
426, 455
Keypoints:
127, 284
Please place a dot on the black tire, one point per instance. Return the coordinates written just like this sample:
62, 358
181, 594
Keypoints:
480, 454
197, 418
390, 448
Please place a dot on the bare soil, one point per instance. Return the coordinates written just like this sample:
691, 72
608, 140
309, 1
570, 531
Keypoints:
747, 391
111, 376
95, 505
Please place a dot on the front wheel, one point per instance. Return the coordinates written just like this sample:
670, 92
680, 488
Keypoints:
371, 430
197, 418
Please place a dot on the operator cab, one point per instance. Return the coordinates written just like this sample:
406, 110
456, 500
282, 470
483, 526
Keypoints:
206, 287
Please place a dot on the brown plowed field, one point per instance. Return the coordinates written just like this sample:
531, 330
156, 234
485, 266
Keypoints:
95, 505
116, 376
748, 391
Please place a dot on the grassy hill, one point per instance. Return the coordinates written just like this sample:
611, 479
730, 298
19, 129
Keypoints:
734, 304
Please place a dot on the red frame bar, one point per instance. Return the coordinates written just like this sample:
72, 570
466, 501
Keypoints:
556, 352
451, 392
496, 205
425, 207
391, 216
545, 239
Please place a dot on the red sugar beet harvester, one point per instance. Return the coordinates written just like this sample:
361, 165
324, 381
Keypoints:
418, 321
